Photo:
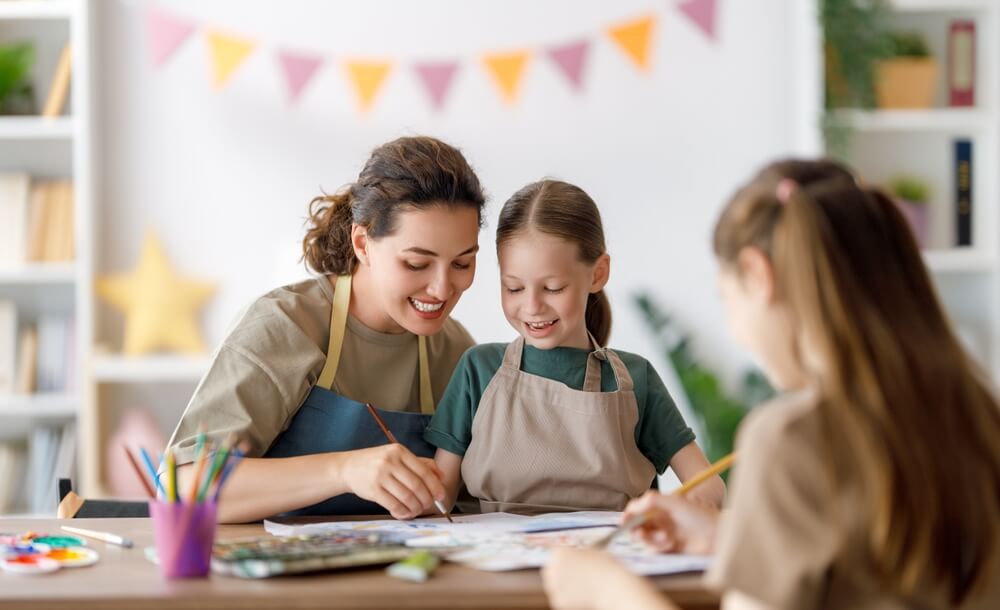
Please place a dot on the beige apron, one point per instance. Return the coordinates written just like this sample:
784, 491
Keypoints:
540, 446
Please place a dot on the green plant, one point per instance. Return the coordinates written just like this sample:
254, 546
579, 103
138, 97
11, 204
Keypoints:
16, 94
854, 39
719, 413
908, 44
910, 188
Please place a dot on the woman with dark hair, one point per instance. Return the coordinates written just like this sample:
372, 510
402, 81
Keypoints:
395, 251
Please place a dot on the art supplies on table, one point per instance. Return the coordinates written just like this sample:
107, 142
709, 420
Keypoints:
416, 568
266, 556
96, 535
31, 553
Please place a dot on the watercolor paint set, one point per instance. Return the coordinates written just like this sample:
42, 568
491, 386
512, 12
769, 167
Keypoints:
32, 553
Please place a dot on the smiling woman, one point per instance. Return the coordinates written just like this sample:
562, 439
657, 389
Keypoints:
395, 251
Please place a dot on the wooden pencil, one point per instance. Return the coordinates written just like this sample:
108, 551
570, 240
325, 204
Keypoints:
139, 473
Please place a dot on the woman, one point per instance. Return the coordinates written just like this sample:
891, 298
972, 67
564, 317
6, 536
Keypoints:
395, 251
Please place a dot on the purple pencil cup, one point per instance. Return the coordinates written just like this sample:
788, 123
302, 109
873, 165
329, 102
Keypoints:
184, 534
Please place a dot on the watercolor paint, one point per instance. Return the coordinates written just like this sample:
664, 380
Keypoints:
60, 542
29, 564
73, 557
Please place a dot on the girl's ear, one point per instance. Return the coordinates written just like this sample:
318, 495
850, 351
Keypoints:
601, 273
757, 274
359, 239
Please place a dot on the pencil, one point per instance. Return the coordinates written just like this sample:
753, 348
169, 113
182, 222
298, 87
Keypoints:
138, 473
148, 461
392, 439
172, 495
105, 536
691, 483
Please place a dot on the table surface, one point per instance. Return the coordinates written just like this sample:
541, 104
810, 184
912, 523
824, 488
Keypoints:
123, 578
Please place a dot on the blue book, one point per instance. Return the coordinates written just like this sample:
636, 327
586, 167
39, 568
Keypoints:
963, 192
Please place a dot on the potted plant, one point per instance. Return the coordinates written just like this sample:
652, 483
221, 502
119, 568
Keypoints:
912, 195
907, 78
16, 93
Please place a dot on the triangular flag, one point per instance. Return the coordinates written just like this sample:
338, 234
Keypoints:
702, 12
227, 53
298, 69
571, 57
368, 77
506, 69
633, 37
166, 33
436, 78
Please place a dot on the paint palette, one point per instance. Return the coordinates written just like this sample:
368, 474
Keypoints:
32, 553
265, 556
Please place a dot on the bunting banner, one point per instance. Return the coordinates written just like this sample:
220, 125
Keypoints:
166, 33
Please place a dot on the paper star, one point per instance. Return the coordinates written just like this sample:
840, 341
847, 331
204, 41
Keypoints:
159, 306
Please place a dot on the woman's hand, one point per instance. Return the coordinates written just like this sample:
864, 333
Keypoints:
674, 524
393, 477
587, 579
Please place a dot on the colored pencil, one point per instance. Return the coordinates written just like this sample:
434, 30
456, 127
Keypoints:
148, 461
392, 439
138, 472
690, 484
172, 495
234, 458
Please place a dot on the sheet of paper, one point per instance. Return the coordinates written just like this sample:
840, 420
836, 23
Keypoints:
504, 541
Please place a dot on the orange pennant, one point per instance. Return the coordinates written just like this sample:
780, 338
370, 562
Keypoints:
507, 69
227, 52
633, 38
368, 77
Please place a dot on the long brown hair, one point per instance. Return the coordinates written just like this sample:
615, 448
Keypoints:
907, 414
565, 211
406, 173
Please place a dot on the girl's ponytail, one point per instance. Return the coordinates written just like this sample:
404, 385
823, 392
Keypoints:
598, 317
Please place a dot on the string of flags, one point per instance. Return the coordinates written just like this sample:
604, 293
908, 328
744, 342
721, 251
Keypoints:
227, 51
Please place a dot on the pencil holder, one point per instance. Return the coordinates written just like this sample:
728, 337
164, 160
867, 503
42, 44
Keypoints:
184, 534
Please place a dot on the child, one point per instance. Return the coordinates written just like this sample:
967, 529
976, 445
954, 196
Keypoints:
553, 421
874, 481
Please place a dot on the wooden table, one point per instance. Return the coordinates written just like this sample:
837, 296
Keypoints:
124, 579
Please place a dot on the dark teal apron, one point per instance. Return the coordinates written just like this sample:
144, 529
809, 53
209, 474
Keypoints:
329, 422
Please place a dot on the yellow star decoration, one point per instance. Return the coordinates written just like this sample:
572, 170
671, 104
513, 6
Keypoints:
158, 304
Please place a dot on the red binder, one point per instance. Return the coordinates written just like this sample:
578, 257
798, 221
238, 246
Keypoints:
962, 63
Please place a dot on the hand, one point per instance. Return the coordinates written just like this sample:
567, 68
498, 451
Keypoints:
674, 524
393, 477
573, 578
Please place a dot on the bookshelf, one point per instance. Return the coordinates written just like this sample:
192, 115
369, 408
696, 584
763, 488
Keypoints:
889, 142
47, 149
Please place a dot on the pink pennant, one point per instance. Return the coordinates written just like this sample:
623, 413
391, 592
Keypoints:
166, 33
299, 70
702, 12
571, 58
437, 77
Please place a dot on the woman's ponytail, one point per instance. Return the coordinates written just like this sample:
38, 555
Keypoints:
327, 247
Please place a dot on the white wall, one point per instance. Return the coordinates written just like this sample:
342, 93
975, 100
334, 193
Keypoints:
225, 176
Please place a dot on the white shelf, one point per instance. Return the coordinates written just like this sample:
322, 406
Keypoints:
35, 127
36, 9
960, 260
951, 6
39, 273
150, 369
935, 119
38, 406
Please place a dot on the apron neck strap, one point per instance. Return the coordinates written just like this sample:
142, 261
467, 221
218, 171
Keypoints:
592, 381
338, 328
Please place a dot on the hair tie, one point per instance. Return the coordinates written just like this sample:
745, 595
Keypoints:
786, 187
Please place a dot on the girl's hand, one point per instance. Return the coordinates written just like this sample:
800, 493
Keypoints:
674, 524
585, 579
393, 477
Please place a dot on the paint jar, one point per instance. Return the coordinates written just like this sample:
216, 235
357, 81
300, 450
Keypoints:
184, 534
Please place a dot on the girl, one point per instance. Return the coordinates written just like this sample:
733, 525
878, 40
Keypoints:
395, 251
554, 421
874, 481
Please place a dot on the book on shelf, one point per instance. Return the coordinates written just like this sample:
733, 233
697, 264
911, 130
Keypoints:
27, 360
12, 462
59, 88
8, 346
51, 455
56, 355
963, 191
51, 236
14, 188
962, 63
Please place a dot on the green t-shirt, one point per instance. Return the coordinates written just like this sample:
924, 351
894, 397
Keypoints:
661, 430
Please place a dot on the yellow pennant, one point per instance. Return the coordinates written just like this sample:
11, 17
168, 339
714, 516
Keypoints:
368, 76
227, 52
507, 69
633, 38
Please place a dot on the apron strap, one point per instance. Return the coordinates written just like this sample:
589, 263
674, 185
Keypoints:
426, 396
512, 355
592, 382
338, 325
